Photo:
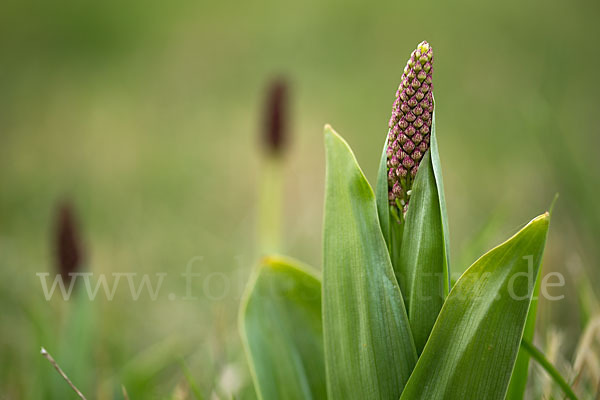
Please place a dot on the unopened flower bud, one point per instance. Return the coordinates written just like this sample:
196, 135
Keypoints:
275, 133
410, 125
67, 243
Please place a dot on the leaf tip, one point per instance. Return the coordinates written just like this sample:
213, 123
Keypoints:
271, 262
329, 132
543, 219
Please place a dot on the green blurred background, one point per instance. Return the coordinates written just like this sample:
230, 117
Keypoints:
146, 115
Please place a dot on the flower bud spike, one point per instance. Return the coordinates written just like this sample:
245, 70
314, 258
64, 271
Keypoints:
275, 118
411, 118
67, 243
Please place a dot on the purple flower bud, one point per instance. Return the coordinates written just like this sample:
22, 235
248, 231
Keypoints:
402, 139
401, 172
408, 162
417, 139
410, 124
392, 176
67, 243
409, 146
396, 190
275, 122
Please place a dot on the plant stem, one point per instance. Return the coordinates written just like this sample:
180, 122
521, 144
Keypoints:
270, 205
538, 356
60, 371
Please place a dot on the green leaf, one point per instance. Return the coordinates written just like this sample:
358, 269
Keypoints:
473, 346
369, 351
437, 171
421, 269
392, 229
381, 195
281, 329
518, 380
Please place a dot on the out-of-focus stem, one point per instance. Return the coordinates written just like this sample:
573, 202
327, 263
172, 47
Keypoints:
270, 205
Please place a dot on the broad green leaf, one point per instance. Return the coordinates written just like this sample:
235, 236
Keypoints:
369, 351
381, 196
474, 343
421, 267
518, 380
392, 229
282, 333
437, 171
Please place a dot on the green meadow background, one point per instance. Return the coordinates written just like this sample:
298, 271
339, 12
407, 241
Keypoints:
146, 116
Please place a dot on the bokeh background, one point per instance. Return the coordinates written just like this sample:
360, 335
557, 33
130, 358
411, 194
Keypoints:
146, 117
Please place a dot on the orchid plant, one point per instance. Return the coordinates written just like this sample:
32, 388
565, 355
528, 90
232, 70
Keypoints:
384, 320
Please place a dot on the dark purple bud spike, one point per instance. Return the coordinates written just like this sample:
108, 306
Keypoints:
275, 122
67, 243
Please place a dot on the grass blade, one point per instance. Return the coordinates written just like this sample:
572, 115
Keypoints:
547, 365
